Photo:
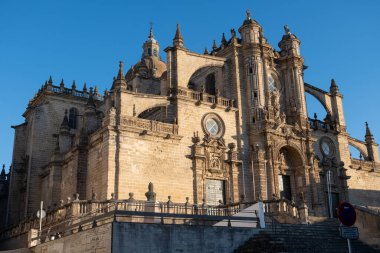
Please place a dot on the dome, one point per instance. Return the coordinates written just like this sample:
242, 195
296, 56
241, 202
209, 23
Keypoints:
149, 67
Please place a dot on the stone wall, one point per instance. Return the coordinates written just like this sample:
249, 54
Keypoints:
364, 187
141, 238
96, 240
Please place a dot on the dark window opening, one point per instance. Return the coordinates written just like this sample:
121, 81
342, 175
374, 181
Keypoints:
210, 84
250, 70
149, 51
73, 118
255, 94
253, 120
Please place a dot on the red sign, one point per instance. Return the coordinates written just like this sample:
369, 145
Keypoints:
346, 214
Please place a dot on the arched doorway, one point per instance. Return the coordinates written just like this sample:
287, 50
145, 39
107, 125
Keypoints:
291, 181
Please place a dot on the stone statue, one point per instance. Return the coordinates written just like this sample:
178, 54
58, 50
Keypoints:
287, 30
150, 194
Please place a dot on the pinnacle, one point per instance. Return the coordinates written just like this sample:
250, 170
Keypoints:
120, 75
178, 34
224, 41
368, 132
178, 39
214, 46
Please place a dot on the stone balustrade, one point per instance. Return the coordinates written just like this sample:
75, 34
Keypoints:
204, 97
78, 211
149, 125
359, 164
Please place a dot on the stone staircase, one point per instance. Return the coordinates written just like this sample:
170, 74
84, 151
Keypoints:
321, 236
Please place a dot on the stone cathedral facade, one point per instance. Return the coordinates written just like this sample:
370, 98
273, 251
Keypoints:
217, 127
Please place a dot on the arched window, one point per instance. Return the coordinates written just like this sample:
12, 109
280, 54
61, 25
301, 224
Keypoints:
73, 118
210, 84
149, 51
272, 84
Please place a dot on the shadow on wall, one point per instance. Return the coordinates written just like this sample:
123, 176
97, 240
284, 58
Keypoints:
369, 198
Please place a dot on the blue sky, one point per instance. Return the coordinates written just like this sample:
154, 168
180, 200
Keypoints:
84, 41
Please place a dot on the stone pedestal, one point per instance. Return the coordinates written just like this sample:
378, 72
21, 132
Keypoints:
152, 206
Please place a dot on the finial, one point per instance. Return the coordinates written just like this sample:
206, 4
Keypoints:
287, 30
62, 83
151, 30
333, 84
206, 51
73, 86
214, 46
84, 88
96, 90
233, 33
248, 14
50, 80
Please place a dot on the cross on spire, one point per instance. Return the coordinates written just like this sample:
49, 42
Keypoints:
151, 30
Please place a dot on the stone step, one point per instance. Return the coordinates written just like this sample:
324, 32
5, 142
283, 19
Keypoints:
285, 238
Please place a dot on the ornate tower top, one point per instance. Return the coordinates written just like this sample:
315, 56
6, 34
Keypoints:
250, 30
151, 46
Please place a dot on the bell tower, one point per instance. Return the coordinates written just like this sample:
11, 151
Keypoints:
291, 63
151, 46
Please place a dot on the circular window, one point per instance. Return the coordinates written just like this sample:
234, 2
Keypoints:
213, 125
327, 146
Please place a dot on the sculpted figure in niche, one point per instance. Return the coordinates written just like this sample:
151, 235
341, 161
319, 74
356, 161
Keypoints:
214, 161
276, 104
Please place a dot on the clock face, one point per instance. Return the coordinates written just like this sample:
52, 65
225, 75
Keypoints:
212, 126
325, 148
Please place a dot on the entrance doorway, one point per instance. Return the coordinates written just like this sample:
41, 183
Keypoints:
335, 203
285, 186
214, 191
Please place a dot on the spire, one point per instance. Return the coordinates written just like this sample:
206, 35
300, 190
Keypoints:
2, 175
368, 132
214, 46
151, 31
73, 87
120, 75
84, 88
178, 39
224, 41
62, 83
65, 123
120, 80
50, 80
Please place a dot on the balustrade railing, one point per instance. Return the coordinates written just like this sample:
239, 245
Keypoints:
150, 125
80, 211
204, 97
